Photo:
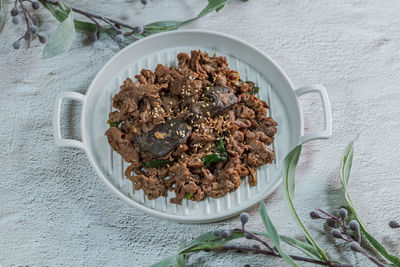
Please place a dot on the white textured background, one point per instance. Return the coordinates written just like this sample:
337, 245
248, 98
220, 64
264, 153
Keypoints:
55, 211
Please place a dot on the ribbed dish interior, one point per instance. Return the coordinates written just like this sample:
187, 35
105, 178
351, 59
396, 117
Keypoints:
114, 166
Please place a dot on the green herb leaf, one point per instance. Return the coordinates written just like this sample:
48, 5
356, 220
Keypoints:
306, 248
345, 168
61, 15
273, 234
254, 90
188, 196
157, 163
289, 171
220, 148
180, 258
161, 26
219, 9
115, 124
61, 40
212, 5
165, 262
208, 241
213, 158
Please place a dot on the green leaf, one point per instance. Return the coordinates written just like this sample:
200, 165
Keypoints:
209, 237
289, 172
306, 248
213, 158
114, 124
219, 9
273, 234
220, 148
161, 26
165, 262
157, 163
180, 258
345, 168
254, 90
212, 5
61, 40
61, 15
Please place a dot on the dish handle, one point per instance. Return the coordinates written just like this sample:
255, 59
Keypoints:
327, 132
59, 140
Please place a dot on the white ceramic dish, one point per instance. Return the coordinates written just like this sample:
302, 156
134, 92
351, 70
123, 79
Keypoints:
252, 64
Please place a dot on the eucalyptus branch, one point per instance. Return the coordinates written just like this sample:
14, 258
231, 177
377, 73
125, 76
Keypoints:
342, 228
120, 32
354, 240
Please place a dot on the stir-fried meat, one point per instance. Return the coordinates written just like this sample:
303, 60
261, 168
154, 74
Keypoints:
195, 129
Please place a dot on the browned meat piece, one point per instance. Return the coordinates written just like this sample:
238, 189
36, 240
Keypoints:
164, 137
268, 127
245, 113
235, 146
259, 154
115, 116
196, 138
194, 63
183, 60
149, 182
220, 79
123, 146
183, 180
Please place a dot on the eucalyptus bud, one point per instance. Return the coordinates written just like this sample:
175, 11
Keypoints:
35, 4
244, 218
315, 215
354, 246
248, 235
217, 233
15, 20
14, 11
394, 224
354, 225
336, 233
17, 44
119, 38
226, 233
331, 222
34, 29
343, 213
42, 39
138, 29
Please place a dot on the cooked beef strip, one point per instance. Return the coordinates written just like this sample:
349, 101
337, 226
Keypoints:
124, 147
177, 115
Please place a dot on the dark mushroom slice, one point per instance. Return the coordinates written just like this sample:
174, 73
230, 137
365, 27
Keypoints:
164, 137
214, 101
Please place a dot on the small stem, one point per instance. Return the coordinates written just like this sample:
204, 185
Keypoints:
27, 21
268, 253
253, 236
372, 258
333, 217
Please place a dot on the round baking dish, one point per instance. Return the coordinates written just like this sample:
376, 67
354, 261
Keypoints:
252, 64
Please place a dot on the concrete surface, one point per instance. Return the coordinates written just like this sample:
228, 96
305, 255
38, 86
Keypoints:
54, 210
